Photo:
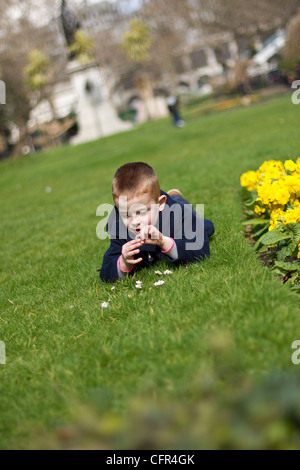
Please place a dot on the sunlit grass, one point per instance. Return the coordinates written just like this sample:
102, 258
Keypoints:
61, 345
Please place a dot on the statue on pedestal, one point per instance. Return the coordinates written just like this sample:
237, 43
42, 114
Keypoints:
96, 116
70, 24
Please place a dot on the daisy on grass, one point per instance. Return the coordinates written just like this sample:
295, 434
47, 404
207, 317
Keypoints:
113, 288
104, 305
158, 272
159, 283
138, 286
138, 283
167, 271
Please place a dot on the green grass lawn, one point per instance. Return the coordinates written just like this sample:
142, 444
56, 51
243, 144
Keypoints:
62, 348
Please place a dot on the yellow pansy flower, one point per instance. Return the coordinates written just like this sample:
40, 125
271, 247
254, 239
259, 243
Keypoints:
290, 166
249, 180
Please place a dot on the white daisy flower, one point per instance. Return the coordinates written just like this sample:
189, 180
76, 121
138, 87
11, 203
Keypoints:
159, 283
104, 305
113, 288
138, 283
167, 271
129, 296
158, 272
138, 286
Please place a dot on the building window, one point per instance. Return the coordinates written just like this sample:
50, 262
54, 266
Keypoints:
178, 64
198, 59
222, 53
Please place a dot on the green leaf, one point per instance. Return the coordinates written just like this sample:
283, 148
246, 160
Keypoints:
280, 271
255, 222
291, 249
291, 266
295, 228
284, 252
251, 202
274, 236
257, 244
262, 249
261, 231
296, 288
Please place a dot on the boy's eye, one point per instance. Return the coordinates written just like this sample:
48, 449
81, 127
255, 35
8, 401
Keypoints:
137, 213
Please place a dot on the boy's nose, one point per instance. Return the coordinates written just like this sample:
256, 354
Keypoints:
136, 219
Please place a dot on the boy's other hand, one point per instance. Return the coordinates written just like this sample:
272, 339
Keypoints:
129, 250
152, 236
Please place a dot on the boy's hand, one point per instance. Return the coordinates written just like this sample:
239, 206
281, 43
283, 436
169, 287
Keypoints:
128, 251
152, 236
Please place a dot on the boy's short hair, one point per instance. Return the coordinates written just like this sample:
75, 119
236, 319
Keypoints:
135, 178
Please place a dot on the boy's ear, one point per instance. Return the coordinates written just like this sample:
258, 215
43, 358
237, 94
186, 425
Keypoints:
162, 202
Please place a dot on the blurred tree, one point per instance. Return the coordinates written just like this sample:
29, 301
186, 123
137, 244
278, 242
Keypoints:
246, 21
39, 78
25, 25
168, 22
137, 42
243, 18
83, 47
283, 11
291, 55
36, 71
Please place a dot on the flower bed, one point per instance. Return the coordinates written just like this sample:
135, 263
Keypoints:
272, 207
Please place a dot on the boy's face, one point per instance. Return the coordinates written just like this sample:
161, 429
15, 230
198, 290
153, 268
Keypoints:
139, 211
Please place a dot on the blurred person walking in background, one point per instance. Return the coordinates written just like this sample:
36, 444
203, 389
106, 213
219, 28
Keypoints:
173, 105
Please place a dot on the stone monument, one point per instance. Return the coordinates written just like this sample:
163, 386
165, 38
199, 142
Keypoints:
96, 115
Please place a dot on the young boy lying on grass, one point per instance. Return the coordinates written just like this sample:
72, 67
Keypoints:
148, 225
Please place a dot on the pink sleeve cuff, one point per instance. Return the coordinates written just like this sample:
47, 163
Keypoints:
170, 248
121, 268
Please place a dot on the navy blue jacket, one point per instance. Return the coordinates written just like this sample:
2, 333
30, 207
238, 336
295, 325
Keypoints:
152, 253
